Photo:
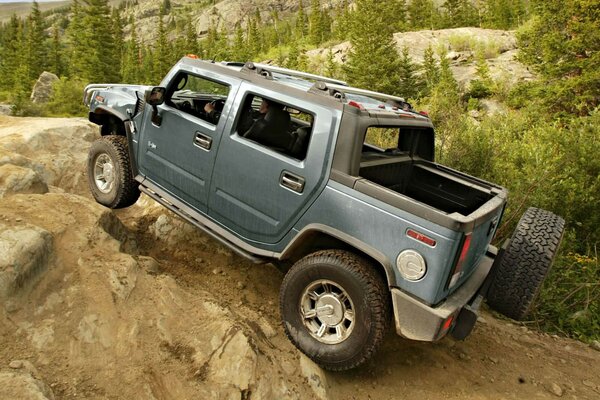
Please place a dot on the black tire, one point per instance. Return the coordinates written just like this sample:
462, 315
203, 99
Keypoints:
121, 189
369, 301
526, 263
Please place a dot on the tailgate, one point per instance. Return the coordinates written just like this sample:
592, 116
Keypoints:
474, 245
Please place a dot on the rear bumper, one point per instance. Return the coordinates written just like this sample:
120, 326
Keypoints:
418, 321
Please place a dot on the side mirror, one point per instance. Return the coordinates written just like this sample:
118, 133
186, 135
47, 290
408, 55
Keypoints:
155, 96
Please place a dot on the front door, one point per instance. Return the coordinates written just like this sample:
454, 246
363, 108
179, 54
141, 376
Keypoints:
178, 154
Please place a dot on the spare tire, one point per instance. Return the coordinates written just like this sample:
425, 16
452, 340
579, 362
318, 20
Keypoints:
526, 263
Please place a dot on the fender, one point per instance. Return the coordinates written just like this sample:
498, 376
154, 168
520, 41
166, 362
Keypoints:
371, 252
94, 116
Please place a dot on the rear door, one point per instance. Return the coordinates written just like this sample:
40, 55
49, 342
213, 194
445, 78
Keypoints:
259, 192
179, 154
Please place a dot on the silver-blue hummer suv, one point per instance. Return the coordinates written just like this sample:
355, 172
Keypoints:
336, 185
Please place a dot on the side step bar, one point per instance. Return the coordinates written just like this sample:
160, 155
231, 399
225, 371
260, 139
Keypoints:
236, 249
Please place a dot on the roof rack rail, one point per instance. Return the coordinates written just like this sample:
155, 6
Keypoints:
232, 63
340, 91
268, 70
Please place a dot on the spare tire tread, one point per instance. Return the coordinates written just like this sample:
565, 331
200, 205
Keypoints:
526, 263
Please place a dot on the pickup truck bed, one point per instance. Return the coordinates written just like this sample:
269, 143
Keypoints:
423, 181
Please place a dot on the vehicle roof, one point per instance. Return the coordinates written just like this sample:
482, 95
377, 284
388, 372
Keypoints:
312, 87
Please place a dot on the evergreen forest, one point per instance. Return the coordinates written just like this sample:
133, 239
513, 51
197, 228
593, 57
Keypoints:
544, 146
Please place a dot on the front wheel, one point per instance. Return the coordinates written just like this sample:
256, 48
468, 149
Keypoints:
335, 308
109, 172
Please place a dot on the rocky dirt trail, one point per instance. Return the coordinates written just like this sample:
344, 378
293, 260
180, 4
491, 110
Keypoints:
138, 304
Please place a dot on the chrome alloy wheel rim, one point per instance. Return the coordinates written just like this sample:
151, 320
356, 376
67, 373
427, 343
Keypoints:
327, 311
104, 173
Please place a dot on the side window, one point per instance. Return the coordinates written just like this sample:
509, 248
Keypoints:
280, 127
198, 96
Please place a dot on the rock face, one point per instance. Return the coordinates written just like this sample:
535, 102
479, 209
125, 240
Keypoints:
15, 179
97, 319
461, 44
42, 90
23, 386
51, 152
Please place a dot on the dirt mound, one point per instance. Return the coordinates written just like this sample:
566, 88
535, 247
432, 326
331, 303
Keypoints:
138, 304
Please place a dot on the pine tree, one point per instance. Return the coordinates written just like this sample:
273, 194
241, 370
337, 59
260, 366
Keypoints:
373, 60
147, 70
459, 13
35, 58
562, 44
395, 14
118, 37
423, 14
301, 23
503, 14
481, 86
341, 23
446, 76
55, 62
332, 68
191, 40
431, 70
162, 47
76, 41
410, 86
293, 56
254, 38
9, 56
239, 48
131, 63
315, 23
101, 62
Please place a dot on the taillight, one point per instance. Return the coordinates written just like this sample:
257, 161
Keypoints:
447, 323
457, 272
424, 113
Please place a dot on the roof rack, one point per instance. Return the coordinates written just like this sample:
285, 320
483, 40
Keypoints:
340, 91
268, 70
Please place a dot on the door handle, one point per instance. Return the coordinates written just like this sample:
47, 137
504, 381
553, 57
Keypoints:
203, 141
292, 182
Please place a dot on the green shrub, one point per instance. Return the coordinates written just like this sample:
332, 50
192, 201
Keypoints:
66, 99
478, 89
466, 42
569, 302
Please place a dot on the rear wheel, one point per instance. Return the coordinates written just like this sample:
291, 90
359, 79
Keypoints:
525, 263
335, 308
109, 172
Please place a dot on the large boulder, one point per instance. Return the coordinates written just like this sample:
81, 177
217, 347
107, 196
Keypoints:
55, 148
25, 250
22, 385
15, 179
42, 90
5, 109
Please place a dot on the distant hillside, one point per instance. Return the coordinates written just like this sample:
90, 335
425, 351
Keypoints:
23, 9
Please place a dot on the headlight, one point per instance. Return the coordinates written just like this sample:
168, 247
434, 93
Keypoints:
412, 265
